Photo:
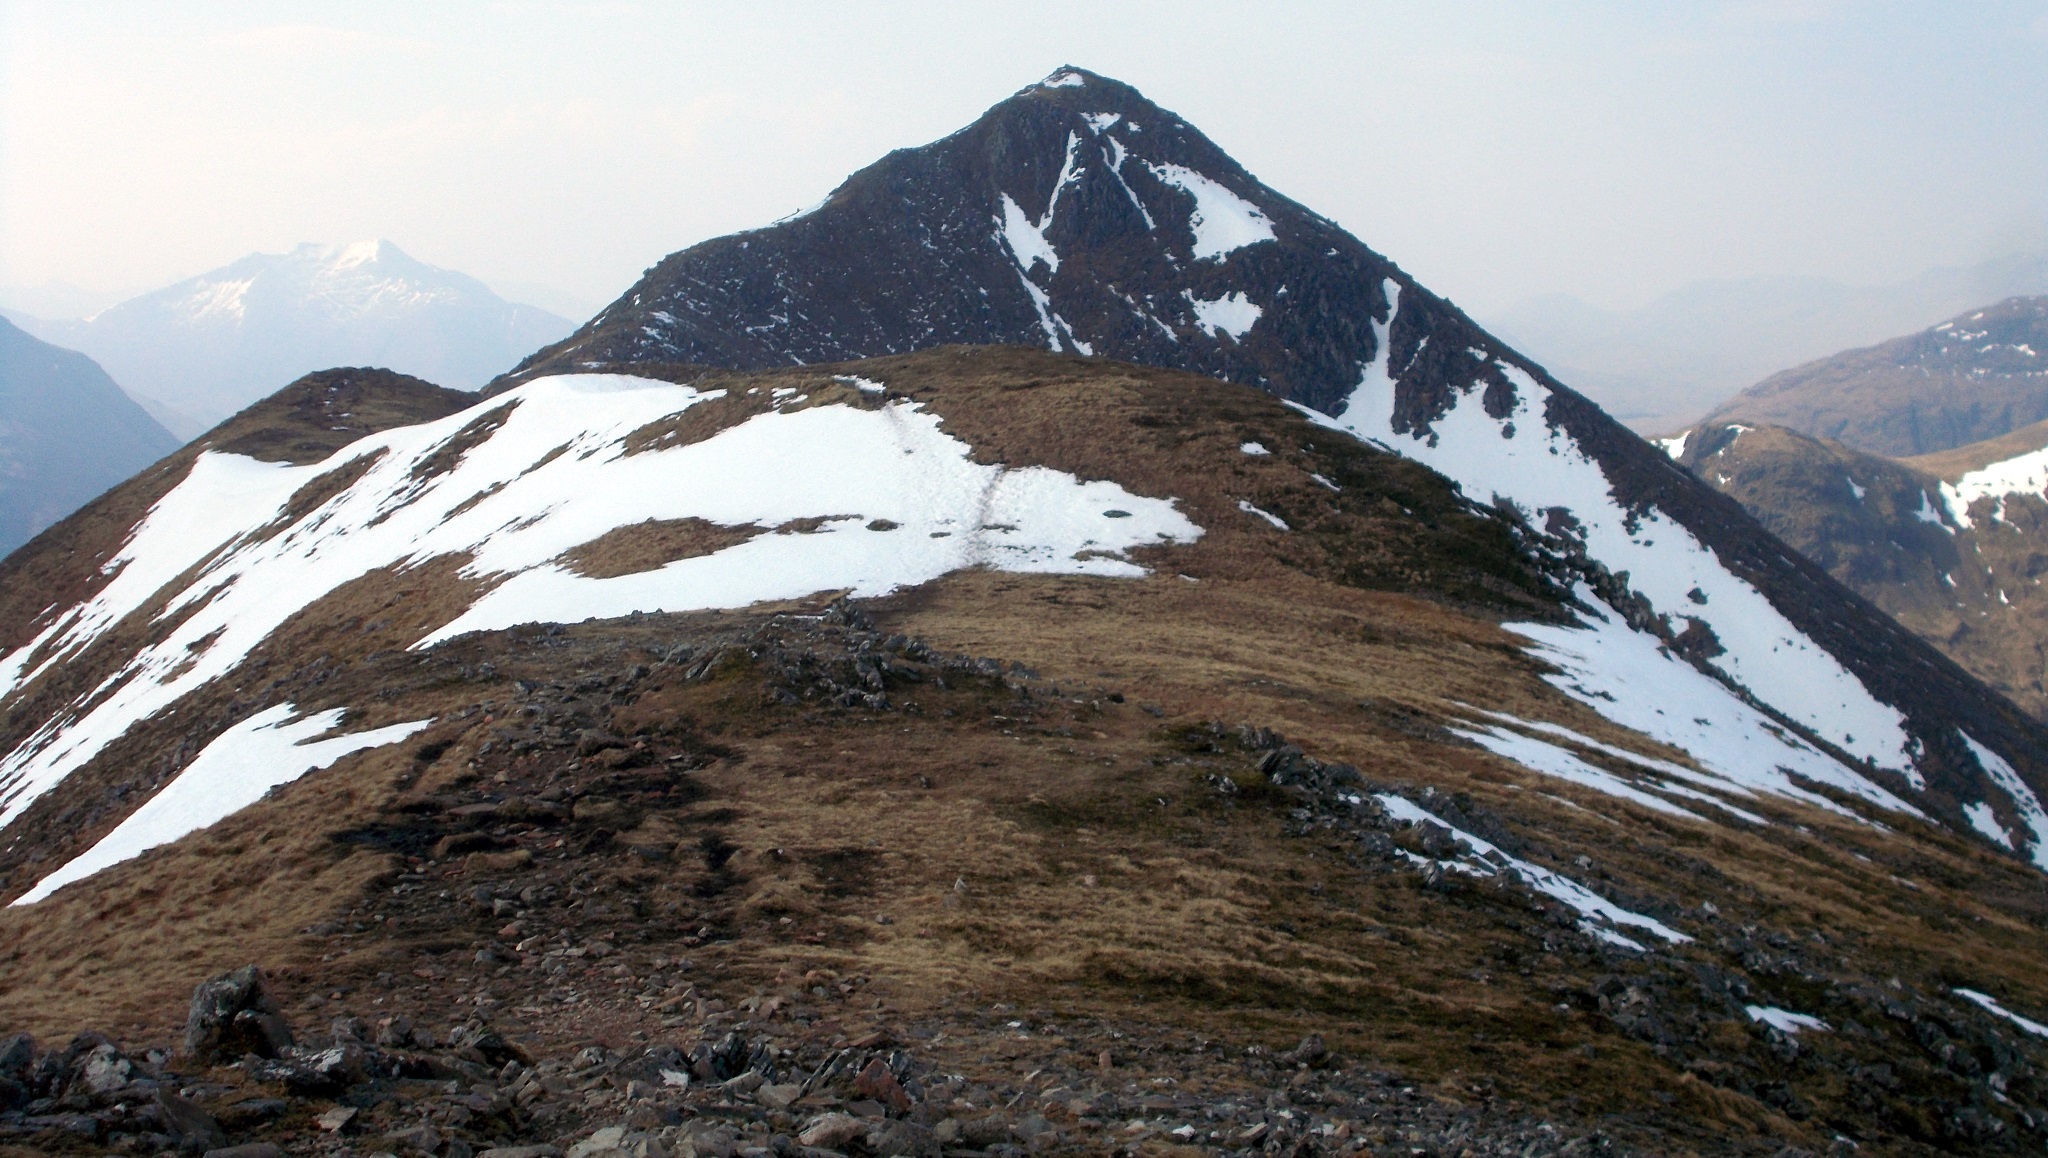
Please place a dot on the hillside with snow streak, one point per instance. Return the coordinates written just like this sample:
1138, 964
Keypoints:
863, 495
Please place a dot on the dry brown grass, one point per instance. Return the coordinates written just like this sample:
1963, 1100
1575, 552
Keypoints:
653, 544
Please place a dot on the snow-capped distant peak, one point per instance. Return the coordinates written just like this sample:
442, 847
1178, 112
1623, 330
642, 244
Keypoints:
359, 253
212, 344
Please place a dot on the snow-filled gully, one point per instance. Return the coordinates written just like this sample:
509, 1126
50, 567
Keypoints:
901, 503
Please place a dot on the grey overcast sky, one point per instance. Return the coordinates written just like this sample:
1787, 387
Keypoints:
1498, 150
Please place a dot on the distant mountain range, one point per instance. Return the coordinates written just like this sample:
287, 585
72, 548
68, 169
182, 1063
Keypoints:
1915, 472
1976, 376
1664, 365
196, 352
67, 433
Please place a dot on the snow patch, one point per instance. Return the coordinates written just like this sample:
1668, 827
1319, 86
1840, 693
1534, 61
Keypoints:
1784, 1020
1555, 761
797, 216
1551, 760
1673, 446
1629, 678
219, 299
1985, 821
2024, 802
1485, 860
1247, 508
1028, 247
1927, 513
1232, 314
864, 385
1256, 450
236, 770
2022, 474
1541, 467
1116, 169
1223, 222
1991, 1005
1026, 238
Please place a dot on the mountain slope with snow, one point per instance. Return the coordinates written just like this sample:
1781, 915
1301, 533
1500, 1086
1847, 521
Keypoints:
1080, 217
67, 433
1948, 544
208, 346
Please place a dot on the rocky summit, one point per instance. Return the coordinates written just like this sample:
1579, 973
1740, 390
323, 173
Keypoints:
794, 716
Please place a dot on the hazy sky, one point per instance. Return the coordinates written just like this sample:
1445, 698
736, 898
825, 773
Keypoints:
1497, 150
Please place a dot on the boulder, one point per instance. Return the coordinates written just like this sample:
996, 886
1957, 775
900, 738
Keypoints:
214, 1029
337, 1119
876, 1082
832, 1131
1311, 1052
103, 1070
602, 1142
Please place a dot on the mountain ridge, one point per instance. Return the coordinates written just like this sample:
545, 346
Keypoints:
1942, 542
1013, 783
1973, 377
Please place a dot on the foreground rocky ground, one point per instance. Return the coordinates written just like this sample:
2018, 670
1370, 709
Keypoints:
744, 1083
579, 945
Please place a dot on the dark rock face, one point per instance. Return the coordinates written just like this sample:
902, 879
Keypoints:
1080, 216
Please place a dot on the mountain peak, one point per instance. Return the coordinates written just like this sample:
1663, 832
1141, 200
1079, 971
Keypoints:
357, 253
1072, 85
1185, 254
